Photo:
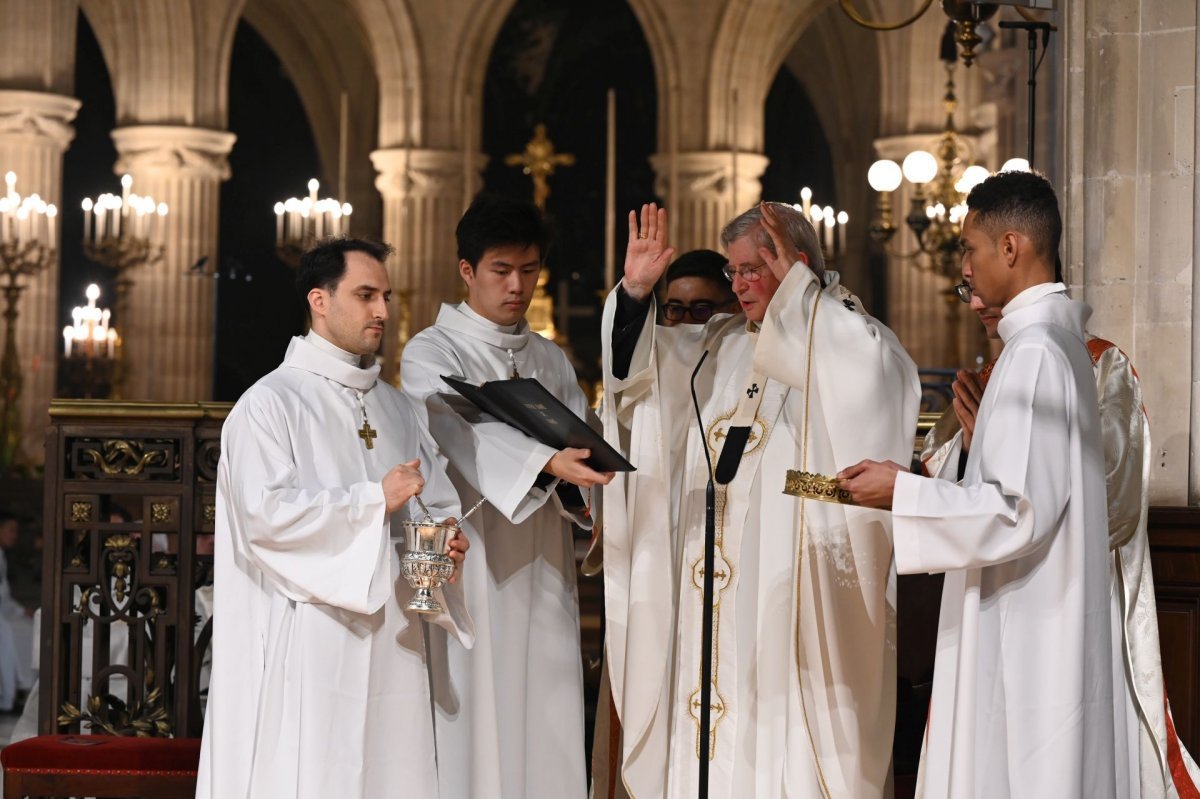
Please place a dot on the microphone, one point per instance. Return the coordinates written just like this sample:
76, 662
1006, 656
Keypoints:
699, 419
706, 642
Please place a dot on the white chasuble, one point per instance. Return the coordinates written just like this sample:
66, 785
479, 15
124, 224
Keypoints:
1160, 763
1022, 699
319, 683
803, 698
509, 713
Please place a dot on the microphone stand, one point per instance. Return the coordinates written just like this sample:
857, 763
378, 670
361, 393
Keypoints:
1032, 28
706, 641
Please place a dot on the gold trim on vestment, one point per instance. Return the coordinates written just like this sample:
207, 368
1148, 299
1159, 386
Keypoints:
722, 579
812, 331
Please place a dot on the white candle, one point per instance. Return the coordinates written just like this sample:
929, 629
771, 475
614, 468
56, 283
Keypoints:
468, 188
162, 222
806, 199
67, 334
51, 215
278, 224
842, 219
829, 224
610, 194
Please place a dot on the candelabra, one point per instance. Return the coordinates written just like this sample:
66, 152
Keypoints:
123, 233
27, 238
829, 224
90, 348
939, 194
299, 224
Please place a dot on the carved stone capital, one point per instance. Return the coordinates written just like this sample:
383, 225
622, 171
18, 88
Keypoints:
708, 175
173, 151
38, 117
404, 172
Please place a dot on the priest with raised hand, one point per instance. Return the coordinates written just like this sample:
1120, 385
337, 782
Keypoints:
803, 685
510, 711
1023, 692
319, 675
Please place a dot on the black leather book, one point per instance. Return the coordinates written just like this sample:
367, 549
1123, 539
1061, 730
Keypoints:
525, 404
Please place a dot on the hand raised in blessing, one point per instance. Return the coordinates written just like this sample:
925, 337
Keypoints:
647, 254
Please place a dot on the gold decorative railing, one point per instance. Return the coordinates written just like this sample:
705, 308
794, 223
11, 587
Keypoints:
130, 493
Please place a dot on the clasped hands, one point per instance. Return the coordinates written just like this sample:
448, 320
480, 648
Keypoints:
871, 483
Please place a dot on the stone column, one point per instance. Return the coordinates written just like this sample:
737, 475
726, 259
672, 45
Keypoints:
706, 200
1130, 208
168, 351
423, 199
35, 129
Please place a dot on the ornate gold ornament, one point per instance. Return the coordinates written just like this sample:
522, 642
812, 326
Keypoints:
119, 549
124, 457
109, 715
816, 486
81, 511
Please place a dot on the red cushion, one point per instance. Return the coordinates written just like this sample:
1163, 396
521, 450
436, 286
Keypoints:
102, 753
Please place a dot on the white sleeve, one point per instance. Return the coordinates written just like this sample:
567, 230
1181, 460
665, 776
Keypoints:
323, 546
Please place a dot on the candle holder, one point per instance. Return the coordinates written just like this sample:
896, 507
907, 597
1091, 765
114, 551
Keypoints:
27, 236
90, 351
299, 224
18, 259
123, 233
828, 223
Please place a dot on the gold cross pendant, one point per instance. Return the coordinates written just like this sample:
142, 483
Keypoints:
367, 434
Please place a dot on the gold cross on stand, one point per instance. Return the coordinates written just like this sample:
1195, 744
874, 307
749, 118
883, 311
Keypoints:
539, 162
367, 434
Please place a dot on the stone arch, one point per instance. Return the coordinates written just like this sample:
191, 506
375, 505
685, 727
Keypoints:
169, 63
397, 56
479, 37
325, 49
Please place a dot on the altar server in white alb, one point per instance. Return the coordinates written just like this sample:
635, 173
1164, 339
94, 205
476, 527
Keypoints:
509, 712
804, 679
1167, 769
1023, 691
319, 674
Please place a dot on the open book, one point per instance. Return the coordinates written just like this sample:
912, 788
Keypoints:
525, 404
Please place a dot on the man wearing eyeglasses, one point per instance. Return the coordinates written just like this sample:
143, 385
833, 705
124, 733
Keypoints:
1166, 768
697, 289
803, 659
1024, 699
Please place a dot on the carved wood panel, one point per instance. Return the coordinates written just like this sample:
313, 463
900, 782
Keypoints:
128, 531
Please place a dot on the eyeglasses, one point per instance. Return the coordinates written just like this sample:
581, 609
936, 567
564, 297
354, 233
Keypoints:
963, 291
746, 273
700, 311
